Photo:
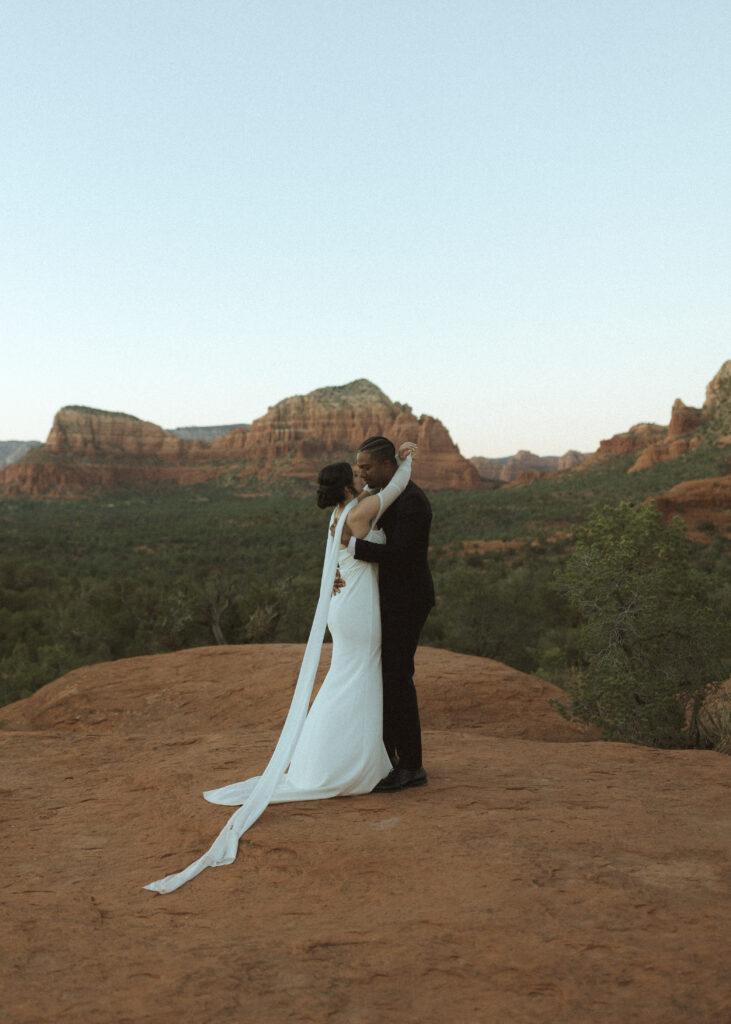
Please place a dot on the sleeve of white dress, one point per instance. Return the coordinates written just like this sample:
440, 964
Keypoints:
396, 485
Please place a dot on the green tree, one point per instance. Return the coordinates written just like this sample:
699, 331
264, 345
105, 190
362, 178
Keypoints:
651, 644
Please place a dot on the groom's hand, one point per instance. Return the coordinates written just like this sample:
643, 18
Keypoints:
338, 584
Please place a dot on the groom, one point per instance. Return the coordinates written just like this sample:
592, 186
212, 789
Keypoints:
407, 596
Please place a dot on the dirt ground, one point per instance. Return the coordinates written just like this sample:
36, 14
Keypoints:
542, 876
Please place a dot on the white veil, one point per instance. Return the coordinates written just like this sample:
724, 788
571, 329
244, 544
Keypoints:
223, 850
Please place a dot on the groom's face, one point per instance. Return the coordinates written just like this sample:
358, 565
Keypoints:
374, 473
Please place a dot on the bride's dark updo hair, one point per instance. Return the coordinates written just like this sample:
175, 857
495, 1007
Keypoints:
331, 483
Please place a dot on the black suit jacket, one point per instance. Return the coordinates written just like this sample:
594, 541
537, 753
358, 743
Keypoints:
404, 580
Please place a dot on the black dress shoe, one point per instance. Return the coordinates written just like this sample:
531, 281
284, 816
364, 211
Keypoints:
401, 778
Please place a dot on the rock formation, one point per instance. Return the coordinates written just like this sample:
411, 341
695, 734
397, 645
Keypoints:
679, 438
330, 423
489, 469
688, 428
717, 407
528, 476
206, 433
684, 419
12, 451
525, 465
558, 879
636, 439
718, 387
701, 504
78, 430
570, 460
90, 449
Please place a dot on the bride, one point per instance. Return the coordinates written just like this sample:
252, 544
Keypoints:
335, 749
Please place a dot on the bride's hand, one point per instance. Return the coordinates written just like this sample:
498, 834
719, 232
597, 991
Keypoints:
407, 448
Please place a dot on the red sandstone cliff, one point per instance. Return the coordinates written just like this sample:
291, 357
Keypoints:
688, 428
92, 432
636, 439
701, 504
716, 390
330, 423
89, 449
679, 438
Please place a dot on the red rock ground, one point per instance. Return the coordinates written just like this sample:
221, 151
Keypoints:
541, 876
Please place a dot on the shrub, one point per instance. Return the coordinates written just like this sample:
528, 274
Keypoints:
715, 726
651, 646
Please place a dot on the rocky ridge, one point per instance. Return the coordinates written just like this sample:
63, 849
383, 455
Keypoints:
705, 505
206, 433
508, 470
558, 878
91, 449
12, 451
689, 427
328, 424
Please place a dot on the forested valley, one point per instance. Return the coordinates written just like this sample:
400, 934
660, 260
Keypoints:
149, 572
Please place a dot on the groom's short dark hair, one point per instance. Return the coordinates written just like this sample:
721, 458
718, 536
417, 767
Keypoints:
380, 448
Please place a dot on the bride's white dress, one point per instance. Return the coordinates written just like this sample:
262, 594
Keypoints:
337, 748
340, 751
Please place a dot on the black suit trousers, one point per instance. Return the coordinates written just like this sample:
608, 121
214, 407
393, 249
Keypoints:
400, 631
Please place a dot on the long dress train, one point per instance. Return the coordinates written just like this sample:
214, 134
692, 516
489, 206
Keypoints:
337, 748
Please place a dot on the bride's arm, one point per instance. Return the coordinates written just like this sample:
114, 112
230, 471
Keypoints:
406, 448
372, 506
407, 541
362, 515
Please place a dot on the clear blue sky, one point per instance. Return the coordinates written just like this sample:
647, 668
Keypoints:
515, 216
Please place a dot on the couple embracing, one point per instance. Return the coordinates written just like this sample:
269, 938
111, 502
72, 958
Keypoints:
362, 732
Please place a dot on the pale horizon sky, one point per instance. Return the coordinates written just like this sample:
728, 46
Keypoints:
513, 216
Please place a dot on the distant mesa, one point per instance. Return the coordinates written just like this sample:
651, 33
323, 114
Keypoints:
329, 423
689, 428
89, 450
206, 433
525, 467
704, 505
636, 439
13, 451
